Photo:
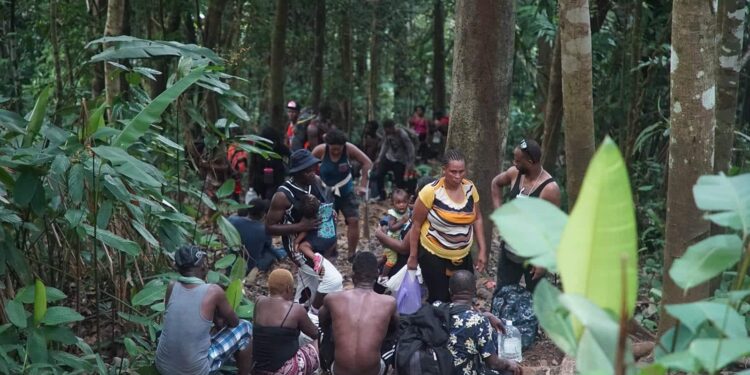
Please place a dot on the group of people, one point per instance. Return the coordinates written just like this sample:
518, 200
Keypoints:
433, 229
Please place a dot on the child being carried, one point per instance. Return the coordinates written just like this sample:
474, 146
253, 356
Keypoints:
314, 244
395, 219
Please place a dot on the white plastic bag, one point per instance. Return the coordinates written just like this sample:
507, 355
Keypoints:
394, 283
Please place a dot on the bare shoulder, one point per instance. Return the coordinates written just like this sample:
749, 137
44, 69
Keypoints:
319, 150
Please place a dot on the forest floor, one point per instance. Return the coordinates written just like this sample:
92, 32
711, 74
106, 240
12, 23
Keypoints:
542, 355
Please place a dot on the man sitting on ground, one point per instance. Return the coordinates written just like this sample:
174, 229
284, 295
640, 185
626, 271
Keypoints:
186, 345
472, 336
249, 223
361, 319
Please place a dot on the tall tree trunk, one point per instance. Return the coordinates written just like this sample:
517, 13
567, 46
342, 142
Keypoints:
374, 78
14, 58
345, 33
97, 79
114, 26
578, 106
211, 38
55, 53
318, 53
730, 27
278, 40
691, 139
438, 57
633, 91
401, 80
480, 103
553, 111
545, 56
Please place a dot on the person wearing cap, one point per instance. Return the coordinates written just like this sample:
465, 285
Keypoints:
396, 156
252, 230
292, 113
285, 219
193, 309
336, 173
528, 179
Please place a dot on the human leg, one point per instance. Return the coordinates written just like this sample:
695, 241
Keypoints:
398, 175
229, 341
508, 271
348, 205
433, 274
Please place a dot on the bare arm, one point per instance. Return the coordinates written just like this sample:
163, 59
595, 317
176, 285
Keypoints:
169, 293
399, 246
500, 181
496, 363
418, 217
324, 314
409, 148
551, 193
275, 216
363, 159
479, 235
312, 135
393, 324
319, 151
223, 307
305, 324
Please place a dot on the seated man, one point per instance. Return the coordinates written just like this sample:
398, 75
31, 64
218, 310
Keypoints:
360, 319
470, 342
249, 223
186, 345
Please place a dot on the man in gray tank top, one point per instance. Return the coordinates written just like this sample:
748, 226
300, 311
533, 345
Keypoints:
186, 345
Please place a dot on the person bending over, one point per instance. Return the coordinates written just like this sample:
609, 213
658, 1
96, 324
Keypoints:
360, 319
186, 345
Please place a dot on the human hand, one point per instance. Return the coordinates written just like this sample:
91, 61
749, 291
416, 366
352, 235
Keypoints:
480, 264
537, 272
309, 224
514, 367
412, 263
361, 190
495, 322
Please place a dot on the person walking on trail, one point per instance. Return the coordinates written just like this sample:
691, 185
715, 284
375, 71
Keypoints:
448, 215
249, 224
186, 344
420, 125
336, 173
293, 132
396, 156
278, 323
285, 219
360, 320
473, 335
528, 179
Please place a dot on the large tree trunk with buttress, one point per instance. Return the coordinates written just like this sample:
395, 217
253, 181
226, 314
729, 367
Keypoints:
691, 140
578, 103
730, 26
480, 102
278, 40
553, 110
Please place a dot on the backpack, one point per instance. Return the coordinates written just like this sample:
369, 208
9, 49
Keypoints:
422, 346
513, 302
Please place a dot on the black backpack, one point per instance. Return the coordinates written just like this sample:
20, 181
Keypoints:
513, 302
422, 346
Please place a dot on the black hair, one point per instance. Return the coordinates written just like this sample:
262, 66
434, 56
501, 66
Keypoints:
416, 107
532, 149
388, 124
336, 137
424, 181
452, 155
462, 281
365, 266
309, 206
257, 209
371, 127
400, 192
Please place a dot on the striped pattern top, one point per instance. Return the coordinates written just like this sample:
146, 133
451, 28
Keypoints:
448, 231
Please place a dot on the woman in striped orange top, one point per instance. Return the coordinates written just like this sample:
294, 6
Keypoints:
448, 214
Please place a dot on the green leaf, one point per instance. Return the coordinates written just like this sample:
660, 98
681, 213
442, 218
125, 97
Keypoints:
141, 229
152, 112
61, 334
705, 260
96, 120
128, 47
27, 186
75, 183
131, 347
234, 293
225, 262
715, 354
238, 269
37, 117
27, 293
600, 235
230, 233
149, 295
15, 313
532, 227
598, 344
234, 108
728, 198
653, 369
40, 301
683, 361
37, 346
246, 311
554, 317
129, 166
226, 189
722, 316
126, 246
57, 315
12, 121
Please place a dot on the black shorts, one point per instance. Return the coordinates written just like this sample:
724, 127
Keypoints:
348, 205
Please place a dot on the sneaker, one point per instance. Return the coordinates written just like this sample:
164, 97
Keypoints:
317, 262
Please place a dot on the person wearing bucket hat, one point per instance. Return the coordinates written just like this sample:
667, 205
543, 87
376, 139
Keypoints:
186, 344
285, 219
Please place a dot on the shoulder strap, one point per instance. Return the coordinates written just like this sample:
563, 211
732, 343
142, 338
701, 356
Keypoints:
517, 184
287, 314
539, 189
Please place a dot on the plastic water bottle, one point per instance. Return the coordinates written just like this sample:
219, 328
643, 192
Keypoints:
510, 343
250, 195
